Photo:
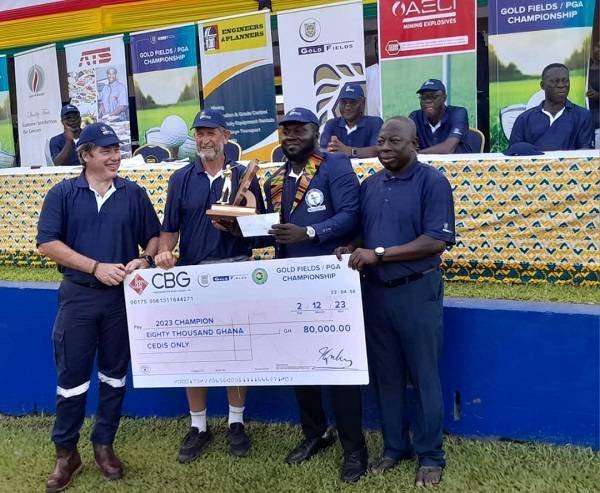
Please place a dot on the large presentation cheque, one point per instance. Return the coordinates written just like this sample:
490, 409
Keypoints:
272, 322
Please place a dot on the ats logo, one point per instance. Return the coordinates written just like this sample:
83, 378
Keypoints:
422, 10
97, 56
35, 78
138, 284
211, 37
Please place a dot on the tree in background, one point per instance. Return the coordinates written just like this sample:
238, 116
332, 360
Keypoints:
141, 99
190, 91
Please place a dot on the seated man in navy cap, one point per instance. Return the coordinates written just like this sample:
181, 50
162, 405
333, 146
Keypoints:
353, 133
441, 128
556, 124
63, 146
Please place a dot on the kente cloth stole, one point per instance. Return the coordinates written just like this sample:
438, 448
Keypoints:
278, 179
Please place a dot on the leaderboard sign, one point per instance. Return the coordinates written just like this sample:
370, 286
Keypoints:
413, 27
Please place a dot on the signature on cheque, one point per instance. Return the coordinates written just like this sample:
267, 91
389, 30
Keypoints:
334, 358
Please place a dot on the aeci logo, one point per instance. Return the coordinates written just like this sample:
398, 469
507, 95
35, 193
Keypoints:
424, 9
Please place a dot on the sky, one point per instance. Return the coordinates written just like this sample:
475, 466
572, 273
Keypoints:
165, 86
532, 51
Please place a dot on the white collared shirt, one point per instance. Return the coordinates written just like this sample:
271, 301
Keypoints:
435, 127
212, 178
350, 130
552, 117
100, 200
291, 174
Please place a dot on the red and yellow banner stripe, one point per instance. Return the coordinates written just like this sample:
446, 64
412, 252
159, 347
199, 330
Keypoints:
73, 19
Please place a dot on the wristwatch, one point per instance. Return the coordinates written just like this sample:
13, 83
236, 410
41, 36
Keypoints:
379, 252
353, 152
310, 232
150, 260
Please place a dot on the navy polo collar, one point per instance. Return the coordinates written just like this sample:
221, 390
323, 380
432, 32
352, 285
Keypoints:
407, 174
342, 123
540, 107
81, 181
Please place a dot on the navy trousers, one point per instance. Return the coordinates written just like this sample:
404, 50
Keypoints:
403, 328
347, 410
89, 321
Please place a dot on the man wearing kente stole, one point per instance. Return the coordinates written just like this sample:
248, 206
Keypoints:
317, 197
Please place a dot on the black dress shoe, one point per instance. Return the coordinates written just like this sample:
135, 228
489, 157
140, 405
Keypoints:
355, 465
193, 444
239, 443
68, 463
309, 447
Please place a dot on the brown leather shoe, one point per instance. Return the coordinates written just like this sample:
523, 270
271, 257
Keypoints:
68, 463
110, 465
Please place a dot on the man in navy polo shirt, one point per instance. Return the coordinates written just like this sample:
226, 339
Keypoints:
353, 133
63, 147
407, 217
317, 197
441, 128
92, 226
192, 190
556, 124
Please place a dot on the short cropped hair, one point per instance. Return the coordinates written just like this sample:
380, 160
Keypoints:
553, 65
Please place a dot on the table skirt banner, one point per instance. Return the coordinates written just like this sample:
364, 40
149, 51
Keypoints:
518, 220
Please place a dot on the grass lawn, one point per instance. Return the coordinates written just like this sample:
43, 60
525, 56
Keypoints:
6, 137
530, 292
148, 448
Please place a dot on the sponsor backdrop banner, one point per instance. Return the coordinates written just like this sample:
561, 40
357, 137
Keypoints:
38, 103
165, 82
424, 39
98, 84
424, 27
320, 55
236, 62
525, 36
7, 143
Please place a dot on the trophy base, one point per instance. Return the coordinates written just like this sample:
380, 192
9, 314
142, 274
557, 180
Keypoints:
229, 211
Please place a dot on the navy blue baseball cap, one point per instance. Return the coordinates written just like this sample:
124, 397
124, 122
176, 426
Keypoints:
209, 119
352, 91
99, 134
299, 115
432, 85
522, 149
66, 109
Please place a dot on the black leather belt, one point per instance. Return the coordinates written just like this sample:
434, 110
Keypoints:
401, 281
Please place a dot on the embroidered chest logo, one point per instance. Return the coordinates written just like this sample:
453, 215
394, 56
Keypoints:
314, 199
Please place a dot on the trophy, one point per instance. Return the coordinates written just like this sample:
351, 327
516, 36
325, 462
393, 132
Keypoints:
222, 209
